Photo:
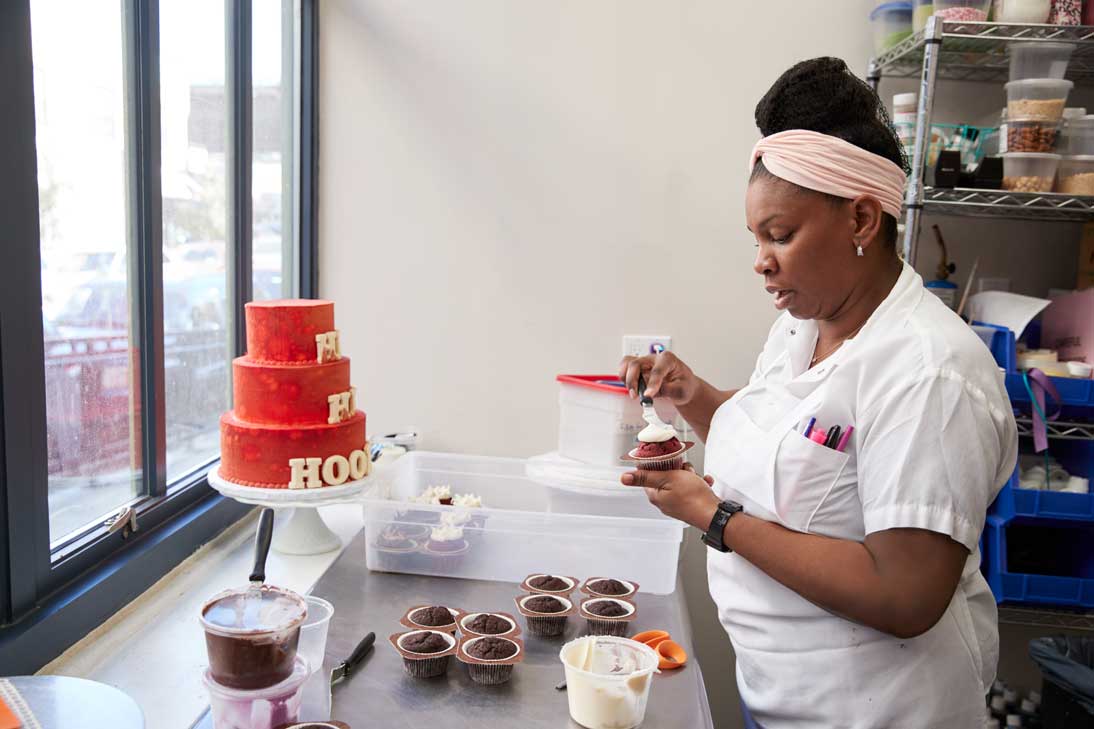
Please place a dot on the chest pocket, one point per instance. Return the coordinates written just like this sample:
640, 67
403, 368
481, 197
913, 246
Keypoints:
757, 456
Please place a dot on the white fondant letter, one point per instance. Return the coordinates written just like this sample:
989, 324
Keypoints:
326, 347
341, 406
358, 464
305, 473
335, 470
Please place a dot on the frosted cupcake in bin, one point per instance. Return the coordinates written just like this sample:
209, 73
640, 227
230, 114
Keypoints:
446, 547
395, 549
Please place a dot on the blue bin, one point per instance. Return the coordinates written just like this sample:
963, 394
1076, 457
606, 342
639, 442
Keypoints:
1040, 565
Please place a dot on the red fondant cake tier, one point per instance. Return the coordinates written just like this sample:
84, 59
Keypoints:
287, 395
284, 330
258, 455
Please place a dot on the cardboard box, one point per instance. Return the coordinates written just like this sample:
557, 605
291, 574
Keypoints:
1068, 326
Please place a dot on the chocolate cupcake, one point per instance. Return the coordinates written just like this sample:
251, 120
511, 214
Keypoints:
425, 652
488, 624
446, 548
545, 615
546, 584
431, 617
610, 587
490, 659
395, 550
608, 615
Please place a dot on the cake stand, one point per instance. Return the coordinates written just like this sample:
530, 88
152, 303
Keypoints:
305, 532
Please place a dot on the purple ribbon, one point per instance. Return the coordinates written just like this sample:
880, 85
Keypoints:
1038, 383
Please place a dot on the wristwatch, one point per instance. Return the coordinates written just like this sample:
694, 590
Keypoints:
714, 537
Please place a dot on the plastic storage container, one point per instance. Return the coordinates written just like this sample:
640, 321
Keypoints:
962, 10
1076, 175
1022, 11
892, 23
258, 708
1039, 60
516, 533
1029, 171
1077, 136
608, 681
597, 420
1031, 136
1037, 99
574, 487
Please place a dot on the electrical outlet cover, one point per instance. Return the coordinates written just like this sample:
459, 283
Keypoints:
639, 345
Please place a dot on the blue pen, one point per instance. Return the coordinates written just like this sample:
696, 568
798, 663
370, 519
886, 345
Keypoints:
809, 428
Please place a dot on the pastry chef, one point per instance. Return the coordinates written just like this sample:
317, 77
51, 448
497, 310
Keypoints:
849, 479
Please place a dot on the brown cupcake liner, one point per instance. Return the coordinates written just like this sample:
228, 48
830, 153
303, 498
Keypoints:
527, 586
468, 632
546, 625
446, 561
409, 622
425, 665
601, 625
675, 464
629, 596
489, 672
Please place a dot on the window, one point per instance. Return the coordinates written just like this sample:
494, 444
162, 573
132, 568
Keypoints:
161, 175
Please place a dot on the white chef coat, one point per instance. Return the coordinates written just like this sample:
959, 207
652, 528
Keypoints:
934, 441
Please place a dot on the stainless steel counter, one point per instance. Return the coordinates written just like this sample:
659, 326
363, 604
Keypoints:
380, 694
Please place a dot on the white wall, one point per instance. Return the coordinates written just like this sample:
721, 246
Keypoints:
508, 187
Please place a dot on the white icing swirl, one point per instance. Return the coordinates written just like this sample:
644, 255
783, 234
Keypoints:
467, 501
657, 431
446, 533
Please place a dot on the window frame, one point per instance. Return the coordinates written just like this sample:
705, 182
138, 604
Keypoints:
51, 597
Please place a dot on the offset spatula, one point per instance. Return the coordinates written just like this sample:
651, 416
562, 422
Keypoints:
346, 667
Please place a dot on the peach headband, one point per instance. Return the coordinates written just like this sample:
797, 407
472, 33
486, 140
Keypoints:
829, 164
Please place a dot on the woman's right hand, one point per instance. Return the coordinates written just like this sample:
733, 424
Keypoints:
666, 376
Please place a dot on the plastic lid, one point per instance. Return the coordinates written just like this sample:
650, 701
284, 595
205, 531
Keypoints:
1078, 158
1074, 112
1087, 120
1048, 83
907, 99
1033, 155
1043, 44
894, 7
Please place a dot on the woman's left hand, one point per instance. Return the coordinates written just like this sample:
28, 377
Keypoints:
681, 494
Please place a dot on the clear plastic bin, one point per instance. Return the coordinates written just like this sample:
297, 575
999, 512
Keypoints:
1022, 12
258, 708
516, 533
1077, 136
1031, 136
1037, 99
1039, 60
598, 421
578, 488
1076, 175
1029, 171
962, 10
892, 23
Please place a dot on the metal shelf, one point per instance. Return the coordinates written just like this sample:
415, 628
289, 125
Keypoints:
1058, 429
1053, 618
1045, 206
978, 51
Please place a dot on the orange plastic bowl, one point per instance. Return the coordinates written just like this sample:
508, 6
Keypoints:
672, 655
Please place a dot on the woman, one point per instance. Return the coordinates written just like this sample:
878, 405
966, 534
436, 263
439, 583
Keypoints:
851, 586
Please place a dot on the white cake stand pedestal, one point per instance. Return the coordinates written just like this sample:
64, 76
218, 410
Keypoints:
305, 532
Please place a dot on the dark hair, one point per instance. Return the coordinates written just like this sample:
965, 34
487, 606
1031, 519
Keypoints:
822, 95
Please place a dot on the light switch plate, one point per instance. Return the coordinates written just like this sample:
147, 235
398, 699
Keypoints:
639, 345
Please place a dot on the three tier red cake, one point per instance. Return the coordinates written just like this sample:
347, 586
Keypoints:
295, 422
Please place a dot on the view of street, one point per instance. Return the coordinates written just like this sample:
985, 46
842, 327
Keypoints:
94, 417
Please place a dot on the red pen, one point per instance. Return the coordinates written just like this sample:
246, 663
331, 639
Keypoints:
846, 437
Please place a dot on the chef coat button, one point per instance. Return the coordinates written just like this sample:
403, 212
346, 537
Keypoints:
793, 331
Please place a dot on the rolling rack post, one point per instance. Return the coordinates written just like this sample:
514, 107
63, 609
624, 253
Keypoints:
914, 198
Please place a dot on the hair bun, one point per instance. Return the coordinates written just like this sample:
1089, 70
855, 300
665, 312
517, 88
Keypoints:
822, 95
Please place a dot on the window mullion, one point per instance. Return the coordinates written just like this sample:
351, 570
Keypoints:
238, 30
24, 504
146, 234
309, 149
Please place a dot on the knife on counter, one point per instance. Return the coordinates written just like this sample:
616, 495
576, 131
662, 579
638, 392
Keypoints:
347, 667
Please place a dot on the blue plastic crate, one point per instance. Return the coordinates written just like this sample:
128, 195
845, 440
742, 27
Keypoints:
1003, 347
1077, 396
1070, 557
1013, 502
